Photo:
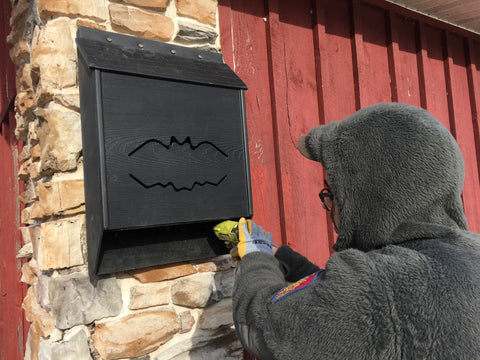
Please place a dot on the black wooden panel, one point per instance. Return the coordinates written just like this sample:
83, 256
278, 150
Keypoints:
165, 151
111, 51
89, 79
174, 152
156, 246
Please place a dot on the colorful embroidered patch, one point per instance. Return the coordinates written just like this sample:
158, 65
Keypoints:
300, 284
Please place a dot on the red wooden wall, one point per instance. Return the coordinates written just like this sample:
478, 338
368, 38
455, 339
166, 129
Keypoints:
11, 289
310, 62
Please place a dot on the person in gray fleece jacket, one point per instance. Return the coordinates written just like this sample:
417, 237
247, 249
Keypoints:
404, 282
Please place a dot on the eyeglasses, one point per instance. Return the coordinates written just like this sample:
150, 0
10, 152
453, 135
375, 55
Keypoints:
327, 198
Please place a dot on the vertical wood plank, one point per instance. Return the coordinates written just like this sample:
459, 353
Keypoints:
7, 74
248, 56
12, 321
405, 65
334, 62
473, 70
11, 289
371, 54
226, 31
393, 53
295, 109
433, 58
333, 36
421, 60
462, 123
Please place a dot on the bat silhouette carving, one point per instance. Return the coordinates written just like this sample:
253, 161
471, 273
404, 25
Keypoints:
181, 165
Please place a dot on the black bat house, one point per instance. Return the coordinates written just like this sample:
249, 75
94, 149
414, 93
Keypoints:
164, 147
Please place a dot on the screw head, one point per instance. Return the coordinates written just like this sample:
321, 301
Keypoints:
200, 56
140, 45
173, 51
109, 39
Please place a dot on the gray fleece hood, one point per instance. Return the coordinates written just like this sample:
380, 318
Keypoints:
397, 174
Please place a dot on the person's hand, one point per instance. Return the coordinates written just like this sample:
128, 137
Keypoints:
251, 238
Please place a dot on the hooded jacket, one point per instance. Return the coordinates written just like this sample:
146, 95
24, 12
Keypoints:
404, 282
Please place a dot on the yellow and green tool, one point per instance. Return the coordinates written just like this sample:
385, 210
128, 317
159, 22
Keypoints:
227, 231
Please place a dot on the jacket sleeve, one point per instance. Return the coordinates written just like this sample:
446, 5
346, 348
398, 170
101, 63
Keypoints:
293, 265
266, 277
314, 321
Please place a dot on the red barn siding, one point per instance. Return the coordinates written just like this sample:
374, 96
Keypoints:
335, 83
255, 66
474, 86
433, 72
295, 111
372, 65
311, 62
404, 47
11, 289
461, 120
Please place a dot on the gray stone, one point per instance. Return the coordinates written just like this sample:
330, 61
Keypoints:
202, 289
215, 352
57, 335
219, 345
26, 252
75, 348
186, 321
217, 315
194, 291
21, 131
208, 47
189, 33
224, 281
219, 263
148, 295
41, 289
75, 301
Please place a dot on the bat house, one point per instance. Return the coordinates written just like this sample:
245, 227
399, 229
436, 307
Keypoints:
164, 148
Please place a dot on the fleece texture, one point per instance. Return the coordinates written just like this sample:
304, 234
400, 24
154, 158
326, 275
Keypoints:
405, 280
390, 163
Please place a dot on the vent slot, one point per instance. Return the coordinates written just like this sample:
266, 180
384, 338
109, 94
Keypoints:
196, 183
173, 140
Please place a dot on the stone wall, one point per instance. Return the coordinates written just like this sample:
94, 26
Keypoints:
180, 311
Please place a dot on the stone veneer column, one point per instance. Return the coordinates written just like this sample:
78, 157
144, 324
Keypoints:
177, 311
